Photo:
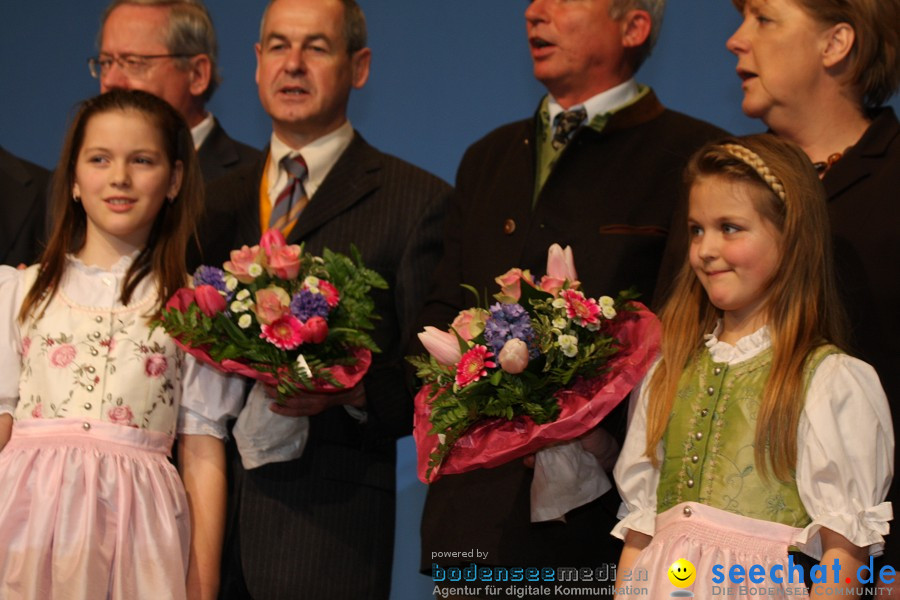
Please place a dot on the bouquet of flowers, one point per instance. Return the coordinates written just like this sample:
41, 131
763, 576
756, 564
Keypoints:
543, 365
273, 313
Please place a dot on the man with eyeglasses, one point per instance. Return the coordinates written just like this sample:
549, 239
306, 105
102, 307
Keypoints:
168, 48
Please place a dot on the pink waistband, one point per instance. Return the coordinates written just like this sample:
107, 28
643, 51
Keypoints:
87, 433
715, 526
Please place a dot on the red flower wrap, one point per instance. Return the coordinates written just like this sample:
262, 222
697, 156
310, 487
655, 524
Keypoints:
493, 442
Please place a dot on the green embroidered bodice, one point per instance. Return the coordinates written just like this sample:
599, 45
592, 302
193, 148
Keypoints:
709, 443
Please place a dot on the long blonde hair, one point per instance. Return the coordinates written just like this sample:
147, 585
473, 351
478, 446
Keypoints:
802, 310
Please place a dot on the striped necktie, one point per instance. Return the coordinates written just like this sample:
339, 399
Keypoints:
566, 123
292, 199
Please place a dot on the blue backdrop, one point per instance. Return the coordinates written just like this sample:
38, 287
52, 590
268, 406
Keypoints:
444, 73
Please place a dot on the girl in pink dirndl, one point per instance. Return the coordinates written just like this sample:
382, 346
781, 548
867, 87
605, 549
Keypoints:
92, 396
753, 434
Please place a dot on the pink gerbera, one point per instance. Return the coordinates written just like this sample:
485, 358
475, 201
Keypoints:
473, 365
584, 311
332, 296
285, 333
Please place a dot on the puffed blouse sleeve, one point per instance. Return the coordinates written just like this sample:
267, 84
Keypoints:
635, 476
12, 290
209, 399
845, 456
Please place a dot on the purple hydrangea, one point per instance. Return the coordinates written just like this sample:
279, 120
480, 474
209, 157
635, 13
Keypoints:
307, 304
211, 276
508, 321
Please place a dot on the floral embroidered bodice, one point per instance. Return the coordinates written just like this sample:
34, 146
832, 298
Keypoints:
100, 362
709, 443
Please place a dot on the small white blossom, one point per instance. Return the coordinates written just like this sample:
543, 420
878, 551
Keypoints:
245, 321
608, 311
559, 303
254, 270
231, 283
238, 307
606, 301
560, 323
242, 295
568, 344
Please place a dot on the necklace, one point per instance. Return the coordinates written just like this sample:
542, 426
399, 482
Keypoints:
822, 167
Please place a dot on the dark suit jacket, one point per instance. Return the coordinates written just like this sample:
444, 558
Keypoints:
219, 154
322, 526
863, 191
611, 196
23, 192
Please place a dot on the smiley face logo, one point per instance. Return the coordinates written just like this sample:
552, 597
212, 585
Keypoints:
682, 573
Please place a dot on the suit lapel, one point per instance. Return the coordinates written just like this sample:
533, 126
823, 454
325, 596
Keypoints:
355, 175
246, 214
865, 156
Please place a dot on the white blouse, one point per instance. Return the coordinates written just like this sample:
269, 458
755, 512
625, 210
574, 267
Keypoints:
845, 458
208, 398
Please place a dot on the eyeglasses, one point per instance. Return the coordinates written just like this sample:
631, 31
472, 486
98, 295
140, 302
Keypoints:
135, 65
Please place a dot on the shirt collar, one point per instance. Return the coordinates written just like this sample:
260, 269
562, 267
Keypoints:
319, 155
602, 103
201, 130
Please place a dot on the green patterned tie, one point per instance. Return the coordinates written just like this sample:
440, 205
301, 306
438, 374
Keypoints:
566, 124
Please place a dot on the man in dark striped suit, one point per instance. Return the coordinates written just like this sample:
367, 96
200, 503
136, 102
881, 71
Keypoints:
321, 525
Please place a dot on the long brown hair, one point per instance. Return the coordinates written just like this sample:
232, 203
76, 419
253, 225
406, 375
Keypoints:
802, 308
163, 255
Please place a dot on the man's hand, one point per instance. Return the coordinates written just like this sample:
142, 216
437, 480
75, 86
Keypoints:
307, 404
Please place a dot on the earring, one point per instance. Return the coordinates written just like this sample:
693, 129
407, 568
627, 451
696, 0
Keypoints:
170, 199
75, 199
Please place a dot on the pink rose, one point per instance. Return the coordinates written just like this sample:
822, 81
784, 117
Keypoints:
62, 356
511, 284
272, 303
332, 296
37, 412
155, 365
272, 238
470, 323
315, 330
284, 261
242, 260
514, 356
120, 415
443, 346
210, 301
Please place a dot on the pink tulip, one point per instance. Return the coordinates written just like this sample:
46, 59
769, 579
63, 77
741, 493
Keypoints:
241, 260
443, 346
470, 323
561, 263
210, 301
315, 330
181, 299
272, 238
272, 303
514, 356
